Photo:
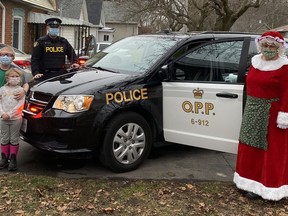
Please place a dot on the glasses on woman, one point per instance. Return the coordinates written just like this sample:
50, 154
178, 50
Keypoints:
7, 54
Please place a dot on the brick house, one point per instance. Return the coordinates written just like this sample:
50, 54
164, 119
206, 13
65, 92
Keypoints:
22, 21
14, 27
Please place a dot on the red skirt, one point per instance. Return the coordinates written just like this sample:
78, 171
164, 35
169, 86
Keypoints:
265, 172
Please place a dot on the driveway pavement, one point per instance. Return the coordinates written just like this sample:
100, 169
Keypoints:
173, 162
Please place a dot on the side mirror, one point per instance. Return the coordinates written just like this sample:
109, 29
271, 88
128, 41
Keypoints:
164, 72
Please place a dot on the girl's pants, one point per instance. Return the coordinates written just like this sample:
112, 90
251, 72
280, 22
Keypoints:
10, 131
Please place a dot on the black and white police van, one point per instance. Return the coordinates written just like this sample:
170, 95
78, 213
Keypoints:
180, 88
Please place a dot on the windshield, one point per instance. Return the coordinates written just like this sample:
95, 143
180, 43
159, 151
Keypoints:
132, 55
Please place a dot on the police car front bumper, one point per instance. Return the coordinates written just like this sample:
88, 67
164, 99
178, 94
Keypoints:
59, 135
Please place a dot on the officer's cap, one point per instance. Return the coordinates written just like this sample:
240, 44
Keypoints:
53, 22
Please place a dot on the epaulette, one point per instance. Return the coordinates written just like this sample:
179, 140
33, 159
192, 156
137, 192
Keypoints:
62, 39
42, 38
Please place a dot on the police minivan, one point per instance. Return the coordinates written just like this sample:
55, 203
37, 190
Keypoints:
180, 88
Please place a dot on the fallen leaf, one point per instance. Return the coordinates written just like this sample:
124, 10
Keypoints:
183, 188
5, 196
37, 212
19, 212
78, 191
108, 210
202, 205
189, 186
90, 207
61, 208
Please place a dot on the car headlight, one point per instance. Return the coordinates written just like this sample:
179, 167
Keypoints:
73, 103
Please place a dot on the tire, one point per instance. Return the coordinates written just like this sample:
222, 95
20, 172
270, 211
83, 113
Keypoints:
127, 142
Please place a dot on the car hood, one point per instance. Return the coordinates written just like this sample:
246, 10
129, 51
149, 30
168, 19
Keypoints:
80, 82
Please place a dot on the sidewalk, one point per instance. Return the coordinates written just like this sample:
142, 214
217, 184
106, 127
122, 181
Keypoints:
186, 163
175, 162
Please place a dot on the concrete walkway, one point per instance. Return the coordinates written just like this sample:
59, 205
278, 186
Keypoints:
174, 162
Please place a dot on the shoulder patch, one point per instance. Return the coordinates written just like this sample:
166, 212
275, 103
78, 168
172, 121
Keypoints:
35, 44
63, 40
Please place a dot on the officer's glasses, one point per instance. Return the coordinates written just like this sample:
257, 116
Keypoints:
7, 54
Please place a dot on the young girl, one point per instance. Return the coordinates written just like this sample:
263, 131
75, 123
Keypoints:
11, 118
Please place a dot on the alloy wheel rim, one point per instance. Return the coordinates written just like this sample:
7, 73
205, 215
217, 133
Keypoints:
129, 143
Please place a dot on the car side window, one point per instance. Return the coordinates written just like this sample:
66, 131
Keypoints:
212, 62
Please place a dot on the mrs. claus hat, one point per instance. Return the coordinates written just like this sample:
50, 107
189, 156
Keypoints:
276, 36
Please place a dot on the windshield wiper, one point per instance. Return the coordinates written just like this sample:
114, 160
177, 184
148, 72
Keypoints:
105, 69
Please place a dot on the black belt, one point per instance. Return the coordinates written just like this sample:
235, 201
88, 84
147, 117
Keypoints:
54, 71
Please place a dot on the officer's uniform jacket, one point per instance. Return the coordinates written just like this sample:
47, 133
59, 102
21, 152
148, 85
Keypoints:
49, 55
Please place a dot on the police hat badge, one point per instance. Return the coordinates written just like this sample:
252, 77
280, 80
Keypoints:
53, 22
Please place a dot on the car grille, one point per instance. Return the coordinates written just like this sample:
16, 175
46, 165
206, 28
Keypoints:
36, 102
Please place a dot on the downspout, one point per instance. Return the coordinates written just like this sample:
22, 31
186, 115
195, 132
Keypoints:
3, 22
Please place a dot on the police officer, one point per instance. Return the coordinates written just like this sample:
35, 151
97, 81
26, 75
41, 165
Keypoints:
50, 51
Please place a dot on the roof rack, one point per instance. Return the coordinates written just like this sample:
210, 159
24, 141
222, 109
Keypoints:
230, 32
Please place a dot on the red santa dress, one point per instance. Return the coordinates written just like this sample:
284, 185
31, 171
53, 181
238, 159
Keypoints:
262, 168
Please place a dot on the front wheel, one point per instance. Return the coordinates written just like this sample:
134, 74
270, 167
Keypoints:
127, 142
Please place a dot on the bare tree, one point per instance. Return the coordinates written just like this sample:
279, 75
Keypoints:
270, 14
196, 15
226, 16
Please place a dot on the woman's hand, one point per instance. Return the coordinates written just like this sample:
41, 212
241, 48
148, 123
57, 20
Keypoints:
75, 66
37, 76
19, 94
5, 116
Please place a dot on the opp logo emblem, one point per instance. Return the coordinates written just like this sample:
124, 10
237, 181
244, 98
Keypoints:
197, 106
198, 93
188, 107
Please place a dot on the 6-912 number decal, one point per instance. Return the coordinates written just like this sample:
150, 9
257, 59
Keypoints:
200, 122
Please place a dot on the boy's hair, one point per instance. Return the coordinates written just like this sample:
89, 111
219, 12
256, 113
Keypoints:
19, 72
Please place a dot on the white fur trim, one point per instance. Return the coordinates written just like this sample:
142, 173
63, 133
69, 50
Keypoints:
282, 126
267, 193
282, 118
259, 63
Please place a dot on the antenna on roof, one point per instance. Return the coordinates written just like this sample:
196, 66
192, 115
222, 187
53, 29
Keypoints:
166, 31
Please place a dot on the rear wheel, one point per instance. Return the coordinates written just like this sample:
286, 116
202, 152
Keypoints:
127, 142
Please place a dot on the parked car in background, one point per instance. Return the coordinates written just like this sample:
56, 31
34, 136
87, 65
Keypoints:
23, 60
101, 46
91, 49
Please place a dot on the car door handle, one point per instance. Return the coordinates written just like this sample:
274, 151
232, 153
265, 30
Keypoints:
227, 95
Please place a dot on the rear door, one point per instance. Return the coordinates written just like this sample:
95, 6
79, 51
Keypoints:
203, 103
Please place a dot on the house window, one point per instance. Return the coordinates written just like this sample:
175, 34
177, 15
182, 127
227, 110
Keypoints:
17, 32
106, 37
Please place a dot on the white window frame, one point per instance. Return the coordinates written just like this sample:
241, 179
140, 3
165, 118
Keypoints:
20, 35
106, 37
